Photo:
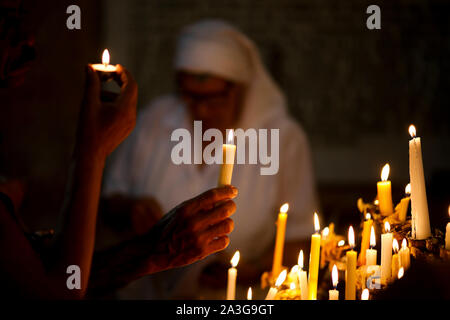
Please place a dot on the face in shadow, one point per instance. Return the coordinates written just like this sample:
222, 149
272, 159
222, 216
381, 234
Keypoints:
17, 50
213, 100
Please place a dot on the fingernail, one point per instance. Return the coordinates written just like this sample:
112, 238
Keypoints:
235, 190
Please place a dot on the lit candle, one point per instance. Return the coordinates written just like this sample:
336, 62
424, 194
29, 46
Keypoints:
314, 260
105, 69
420, 227
350, 273
405, 259
249, 293
334, 294
447, 233
365, 239
404, 204
386, 253
400, 273
279, 241
365, 294
302, 277
232, 273
273, 290
395, 258
228, 153
384, 192
371, 254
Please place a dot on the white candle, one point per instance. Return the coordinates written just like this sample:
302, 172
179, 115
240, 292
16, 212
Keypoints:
447, 233
334, 294
386, 254
232, 274
371, 254
105, 66
229, 151
273, 290
419, 206
302, 277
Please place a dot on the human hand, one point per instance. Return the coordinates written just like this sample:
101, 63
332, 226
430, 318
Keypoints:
103, 125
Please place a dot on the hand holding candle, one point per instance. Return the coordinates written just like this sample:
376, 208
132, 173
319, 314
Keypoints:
232, 274
384, 192
350, 274
229, 151
334, 294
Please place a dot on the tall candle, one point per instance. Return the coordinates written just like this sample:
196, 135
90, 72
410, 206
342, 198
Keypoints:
273, 290
334, 294
228, 153
279, 241
405, 259
386, 254
447, 233
365, 239
314, 260
419, 206
384, 192
395, 259
350, 274
302, 277
232, 274
371, 254
404, 204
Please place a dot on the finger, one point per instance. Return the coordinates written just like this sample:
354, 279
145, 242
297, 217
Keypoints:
218, 230
218, 244
128, 86
92, 88
209, 199
204, 219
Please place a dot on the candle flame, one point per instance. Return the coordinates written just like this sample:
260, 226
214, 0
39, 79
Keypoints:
325, 232
395, 245
387, 227
404, 244
376, 202
294, 269
300, 260
351, 237
335, 276
281, 278
284, 208
365, 294
249, 293
105, 57
368, 216
235, 259
292, 286
230, 136
385, 172
316, 222
401, 272
449, 210
372, 237
408, 188
341, 243
412, 131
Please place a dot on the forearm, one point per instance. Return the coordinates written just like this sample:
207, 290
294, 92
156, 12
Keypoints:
76, 245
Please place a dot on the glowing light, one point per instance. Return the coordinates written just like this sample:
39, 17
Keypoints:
401, 272
404, 244
281, 278
395, 245
325, 232
368, 216
365, 294
235, 259
249, 293
300, 259
284, 208
408, 188
387, 227
412, 131
376, 202
373, 242
292, 286
385, 172
351, 237
105, 57
316, 222
230, 136
341, 243
335, 276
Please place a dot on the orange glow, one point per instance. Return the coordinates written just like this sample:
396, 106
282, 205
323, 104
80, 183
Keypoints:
395, 245
105, 57
351, 237
316, 222
284, 208
385, 172
281, 278
334, 276
300, 259
408, 188
387, 227
249, 293
412, 131
373, 242
365, 294
235, 259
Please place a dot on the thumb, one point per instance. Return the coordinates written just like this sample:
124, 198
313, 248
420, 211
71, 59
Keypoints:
92, 87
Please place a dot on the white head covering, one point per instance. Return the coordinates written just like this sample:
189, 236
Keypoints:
217, 48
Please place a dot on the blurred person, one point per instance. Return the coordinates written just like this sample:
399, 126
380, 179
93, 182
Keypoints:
221, 81
33, 268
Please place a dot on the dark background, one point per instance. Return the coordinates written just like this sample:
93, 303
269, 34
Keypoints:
355, 91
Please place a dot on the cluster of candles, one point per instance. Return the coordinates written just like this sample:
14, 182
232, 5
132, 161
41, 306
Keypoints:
391, 264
